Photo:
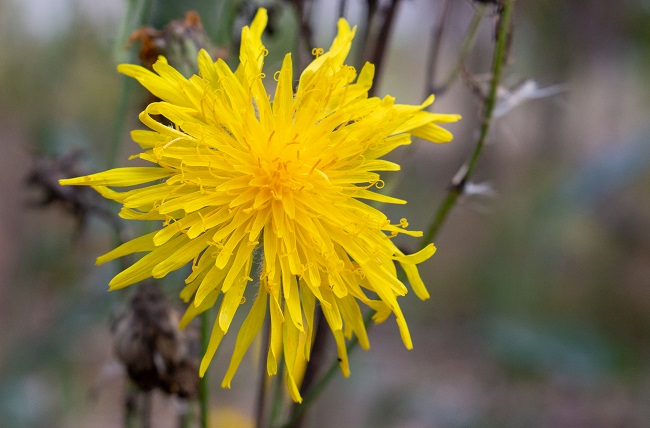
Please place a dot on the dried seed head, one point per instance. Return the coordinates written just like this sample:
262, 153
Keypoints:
155, 352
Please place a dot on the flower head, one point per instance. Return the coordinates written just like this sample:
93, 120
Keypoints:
238, 175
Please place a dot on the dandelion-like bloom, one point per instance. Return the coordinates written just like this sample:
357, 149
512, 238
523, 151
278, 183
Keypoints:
238, 175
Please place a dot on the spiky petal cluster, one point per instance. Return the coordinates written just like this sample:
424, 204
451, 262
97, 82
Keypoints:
238, 174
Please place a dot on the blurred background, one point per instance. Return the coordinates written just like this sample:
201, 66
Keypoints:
540, 308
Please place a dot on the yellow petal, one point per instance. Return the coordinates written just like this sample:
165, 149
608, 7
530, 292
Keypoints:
283, 101
215, 339
141, 269
119, 177
247, 332
419, 257
232, 300
291, 341
308, 306
137, 245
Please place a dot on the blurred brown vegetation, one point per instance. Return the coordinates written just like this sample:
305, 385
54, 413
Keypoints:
540, 309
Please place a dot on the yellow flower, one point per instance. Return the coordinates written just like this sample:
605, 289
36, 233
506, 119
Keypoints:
238, 175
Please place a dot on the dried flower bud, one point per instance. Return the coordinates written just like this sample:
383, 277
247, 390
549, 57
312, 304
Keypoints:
43, 179
180, 42
155, 352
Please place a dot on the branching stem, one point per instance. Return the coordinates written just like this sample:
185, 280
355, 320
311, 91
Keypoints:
458, 183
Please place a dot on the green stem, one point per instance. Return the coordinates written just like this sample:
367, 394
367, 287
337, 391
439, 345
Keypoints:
444, 209
204, 391
499, 60
458, 184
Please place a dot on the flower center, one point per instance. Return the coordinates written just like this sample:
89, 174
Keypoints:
279, 176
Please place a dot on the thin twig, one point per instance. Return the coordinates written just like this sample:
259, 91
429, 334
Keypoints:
381, 43
371, 11
305, 41
465, 49
342, 7
458, 183
436, 43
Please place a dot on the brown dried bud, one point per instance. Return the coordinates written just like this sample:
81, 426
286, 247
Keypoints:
155, 352
78, 201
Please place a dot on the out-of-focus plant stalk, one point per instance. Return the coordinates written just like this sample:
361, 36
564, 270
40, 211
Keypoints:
136, 10
465, 49
314, 391
305, 40
458, 183
204, 390
260, 405
436, 42
185, 419
343, 4
278, 395
130, 405
135, 16
381, 42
